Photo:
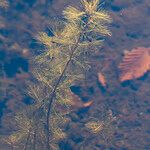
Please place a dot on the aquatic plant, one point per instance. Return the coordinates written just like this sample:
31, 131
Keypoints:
63, 62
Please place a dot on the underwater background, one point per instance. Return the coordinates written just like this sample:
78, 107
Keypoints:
129, 102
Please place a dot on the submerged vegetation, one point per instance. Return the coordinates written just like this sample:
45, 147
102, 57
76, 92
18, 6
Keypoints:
63, 62
117, 78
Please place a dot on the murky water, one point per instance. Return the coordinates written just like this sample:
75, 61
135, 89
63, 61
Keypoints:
128, 101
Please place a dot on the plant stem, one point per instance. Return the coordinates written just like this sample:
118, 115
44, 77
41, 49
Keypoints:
52, 95
54, 90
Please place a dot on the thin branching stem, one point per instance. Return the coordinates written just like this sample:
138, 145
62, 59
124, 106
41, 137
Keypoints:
56, 86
